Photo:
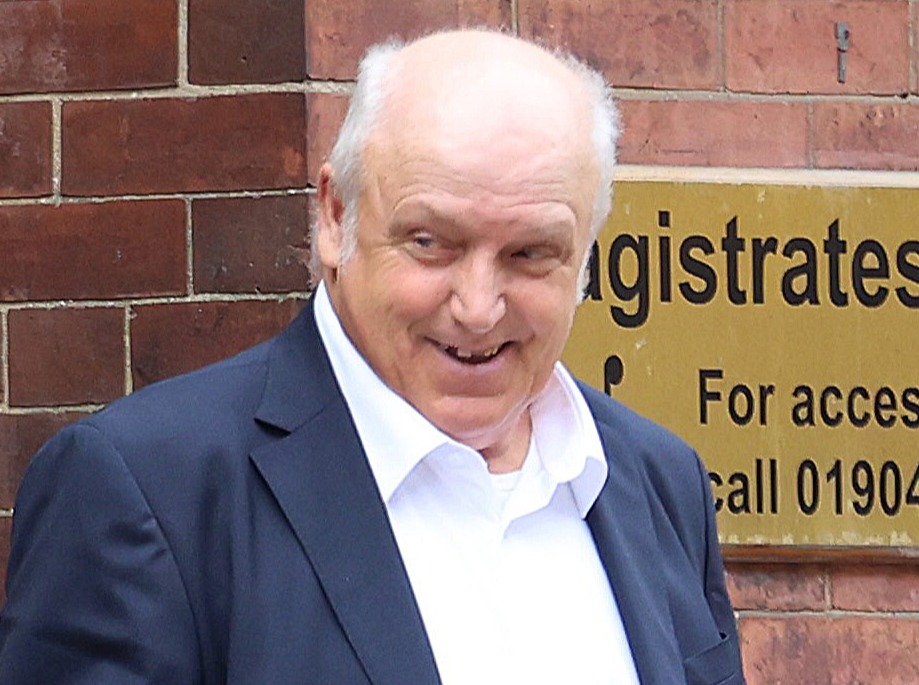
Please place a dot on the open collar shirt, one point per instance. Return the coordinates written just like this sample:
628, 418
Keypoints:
503, 566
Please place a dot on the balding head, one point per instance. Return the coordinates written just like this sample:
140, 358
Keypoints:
478, 81
473, 84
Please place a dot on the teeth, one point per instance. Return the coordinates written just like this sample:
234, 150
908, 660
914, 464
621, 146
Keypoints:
469, 354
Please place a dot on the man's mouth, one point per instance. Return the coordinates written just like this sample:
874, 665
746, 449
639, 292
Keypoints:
468, 356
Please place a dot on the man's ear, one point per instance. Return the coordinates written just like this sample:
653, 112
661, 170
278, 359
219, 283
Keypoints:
330, 233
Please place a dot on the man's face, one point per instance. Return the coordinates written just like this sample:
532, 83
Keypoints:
462, 287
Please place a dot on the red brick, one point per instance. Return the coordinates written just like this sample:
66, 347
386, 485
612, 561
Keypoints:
875, 588
338, 33
6, 527
777, 587
914, 55
87, 45
326, 112
170, 339
3, 336
25, 148
830, 651
85, 251
239, 41
637, 43
875, 650
789, 46
786, 651
66, 356
251, 244
721, 133
188, 145
20, 437
861, 136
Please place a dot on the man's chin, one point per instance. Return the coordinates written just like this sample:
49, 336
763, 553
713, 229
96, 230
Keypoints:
478, 422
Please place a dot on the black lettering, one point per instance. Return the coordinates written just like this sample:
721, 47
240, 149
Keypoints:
808, 497
911, 406
706, 395
862, 272
732, 245
885, 403
663, 221
613, 371
716, 481
834, 476
628, 292
807, 271
912, 492
740, 416
802, 414
698, 268
863, 486
773, 486
761, 248
891, 483
739, 497
836, 418
765, 392
910, 271
858, 420
592, 287
833, 246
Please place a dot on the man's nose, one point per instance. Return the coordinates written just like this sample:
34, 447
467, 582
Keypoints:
477, 302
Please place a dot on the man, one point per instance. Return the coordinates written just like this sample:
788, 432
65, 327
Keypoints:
404, 487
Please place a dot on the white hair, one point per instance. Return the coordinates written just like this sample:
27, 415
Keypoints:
374, 82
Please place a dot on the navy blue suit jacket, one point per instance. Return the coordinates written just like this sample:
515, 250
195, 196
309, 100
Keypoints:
224, 527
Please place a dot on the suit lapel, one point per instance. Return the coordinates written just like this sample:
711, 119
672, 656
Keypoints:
621, 523
322, 482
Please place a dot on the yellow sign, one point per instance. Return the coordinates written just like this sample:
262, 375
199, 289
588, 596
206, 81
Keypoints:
775, 327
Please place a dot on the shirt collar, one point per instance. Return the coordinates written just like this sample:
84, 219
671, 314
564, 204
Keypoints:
397, 439
567, 439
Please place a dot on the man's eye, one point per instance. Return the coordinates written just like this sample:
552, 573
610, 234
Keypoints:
530, 253
427, 247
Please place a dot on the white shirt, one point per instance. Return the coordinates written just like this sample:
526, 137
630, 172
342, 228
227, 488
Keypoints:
504, 569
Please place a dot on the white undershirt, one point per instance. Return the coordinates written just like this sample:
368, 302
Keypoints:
503, 567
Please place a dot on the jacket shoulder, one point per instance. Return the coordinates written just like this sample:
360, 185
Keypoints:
659, 463
189, 408
638, 437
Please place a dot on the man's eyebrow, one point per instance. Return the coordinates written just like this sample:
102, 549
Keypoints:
421, 213
551, 229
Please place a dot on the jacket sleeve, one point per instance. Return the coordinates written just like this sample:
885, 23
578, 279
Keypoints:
715, 588
725, 657
94, 593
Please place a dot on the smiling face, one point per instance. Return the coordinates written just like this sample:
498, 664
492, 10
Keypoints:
473, 226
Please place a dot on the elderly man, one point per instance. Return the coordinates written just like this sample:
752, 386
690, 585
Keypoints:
405, 487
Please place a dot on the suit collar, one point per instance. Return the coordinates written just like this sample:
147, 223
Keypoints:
319, 476
299, 381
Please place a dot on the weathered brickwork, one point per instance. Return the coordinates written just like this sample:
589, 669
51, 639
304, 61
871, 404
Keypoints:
158, 163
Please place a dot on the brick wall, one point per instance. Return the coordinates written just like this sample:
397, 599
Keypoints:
156, 162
